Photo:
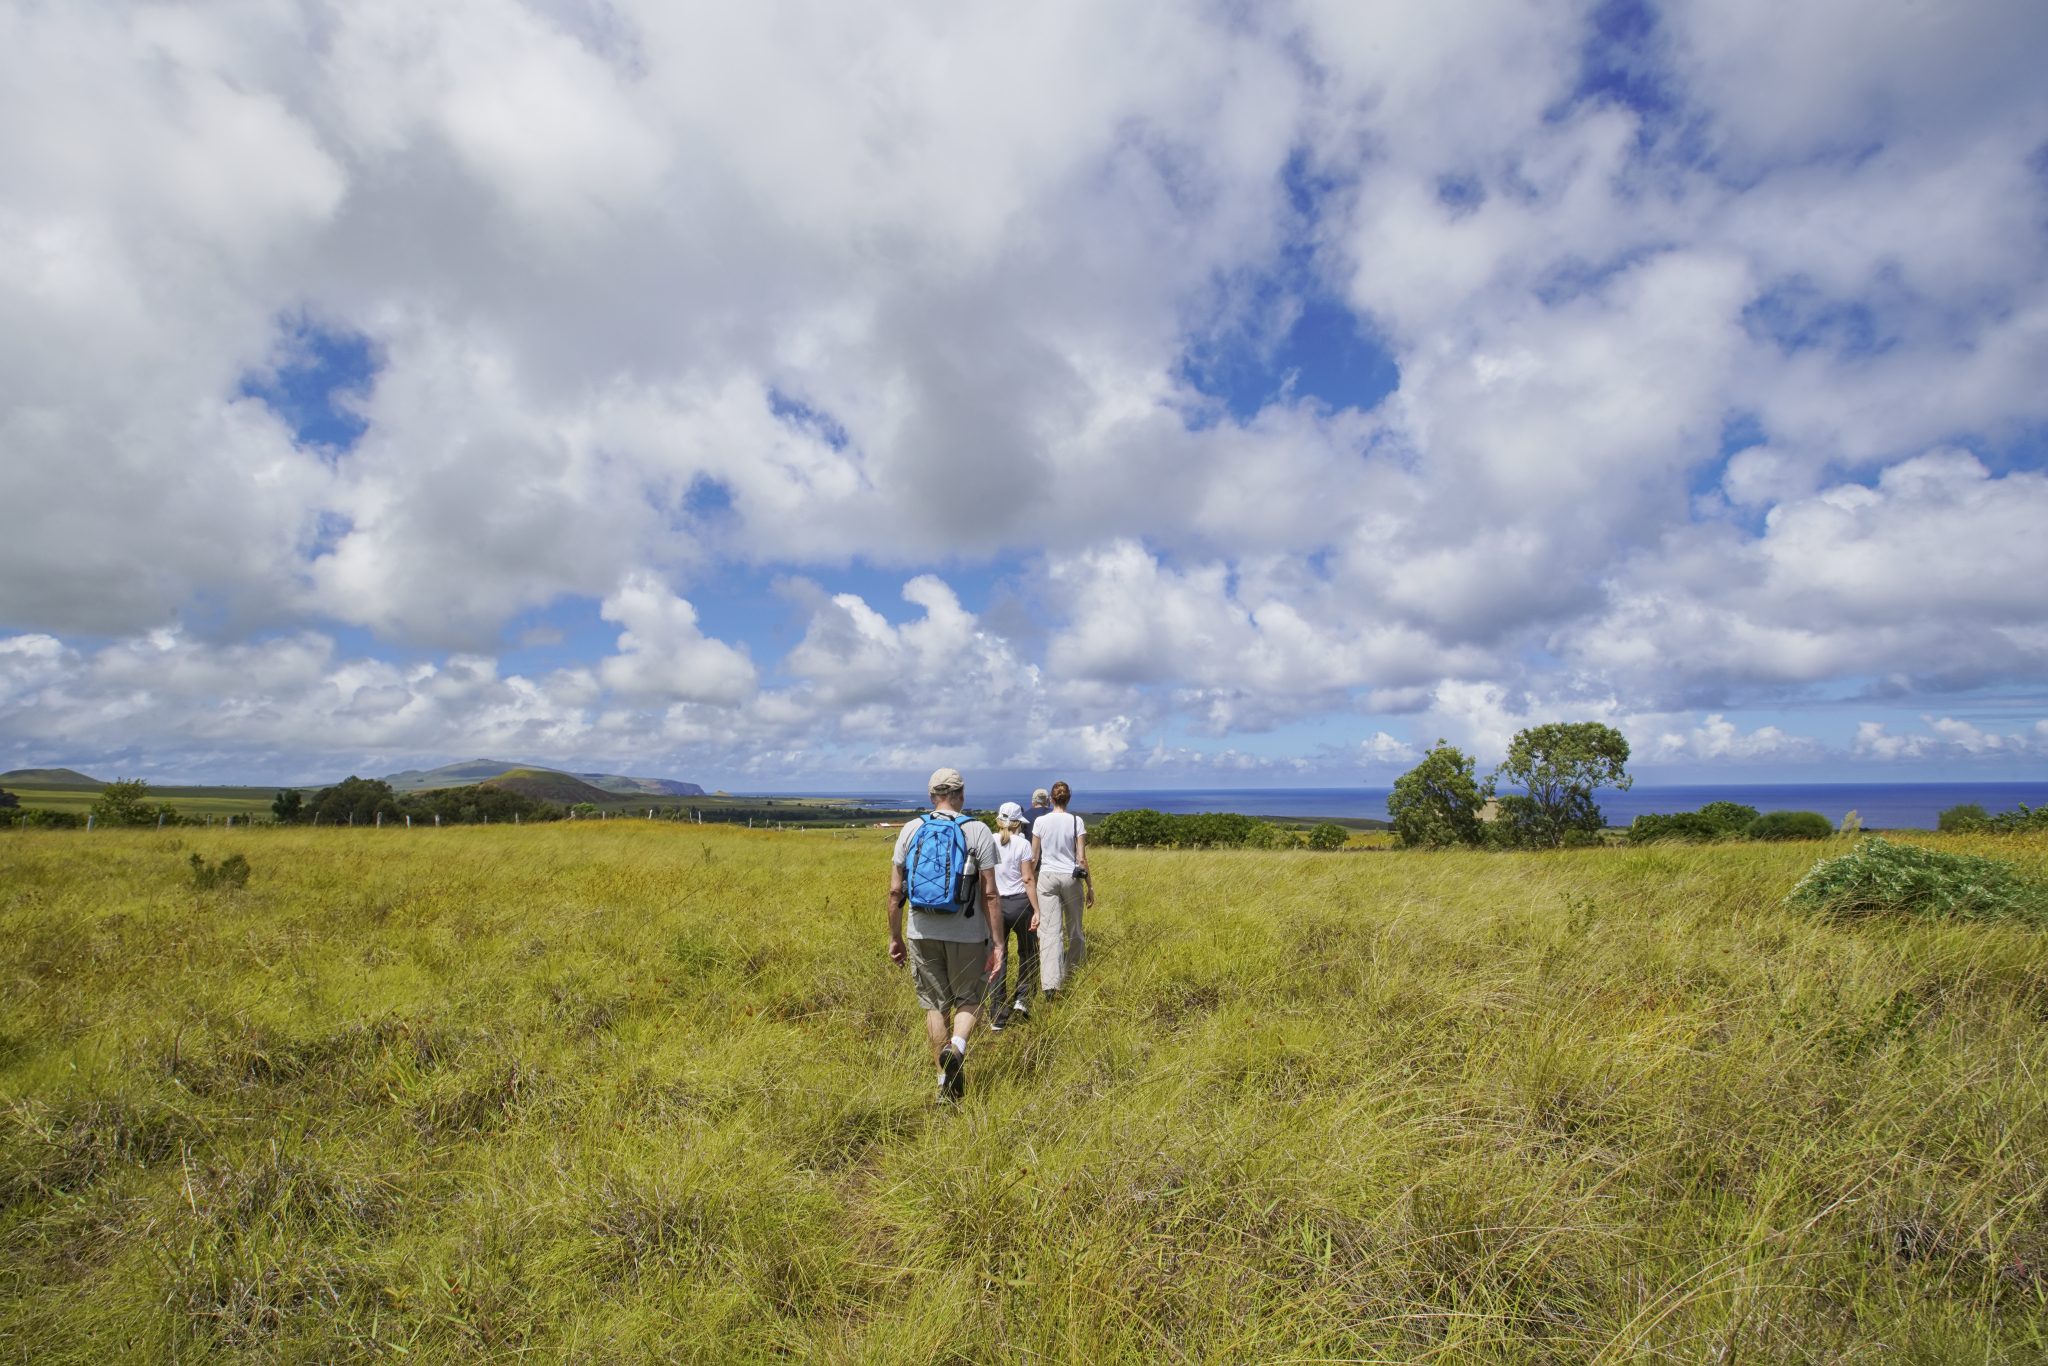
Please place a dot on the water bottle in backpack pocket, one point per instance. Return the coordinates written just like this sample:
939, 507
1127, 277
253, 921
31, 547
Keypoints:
935, 867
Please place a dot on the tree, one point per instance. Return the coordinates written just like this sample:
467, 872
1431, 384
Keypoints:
8, 801
288, 806
1560, 765
127, 803
1437, 802
1328, 835
352, 800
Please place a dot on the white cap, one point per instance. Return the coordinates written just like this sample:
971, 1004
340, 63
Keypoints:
946, 780
1009, 811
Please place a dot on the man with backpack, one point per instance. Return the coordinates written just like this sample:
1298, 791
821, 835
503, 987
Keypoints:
944, 871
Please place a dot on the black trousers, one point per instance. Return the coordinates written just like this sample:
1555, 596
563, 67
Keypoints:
1016, 921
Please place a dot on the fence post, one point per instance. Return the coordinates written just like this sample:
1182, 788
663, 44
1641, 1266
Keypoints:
380, 820
88, 820
408, 820
437, 820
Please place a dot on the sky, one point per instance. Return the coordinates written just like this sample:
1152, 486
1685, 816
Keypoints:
798, 394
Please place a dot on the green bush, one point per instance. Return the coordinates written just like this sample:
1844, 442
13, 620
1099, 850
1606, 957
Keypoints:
42, 818
1146, 828
1791, 825
1714, 821
2020, 818
1881, 878
231, 872
1968, 816
1328, 835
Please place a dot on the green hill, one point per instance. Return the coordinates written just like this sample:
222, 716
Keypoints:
48, 777
546, 785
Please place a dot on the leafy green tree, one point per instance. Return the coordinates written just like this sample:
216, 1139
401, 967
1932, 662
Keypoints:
476, 805
1560, 765
8, 801
1437, 802
1968, 816
126, 802
352, 801
1731, 817
288, 806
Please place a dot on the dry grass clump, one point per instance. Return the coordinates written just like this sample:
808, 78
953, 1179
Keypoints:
618, 1092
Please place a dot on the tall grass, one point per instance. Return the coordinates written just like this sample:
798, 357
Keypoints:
613, 1092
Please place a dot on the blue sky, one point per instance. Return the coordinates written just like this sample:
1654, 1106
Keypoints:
805, 395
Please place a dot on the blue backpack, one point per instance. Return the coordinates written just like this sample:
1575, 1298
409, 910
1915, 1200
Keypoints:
935, 867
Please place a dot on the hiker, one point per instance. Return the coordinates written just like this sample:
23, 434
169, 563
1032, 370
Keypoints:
1041, 805
1059, 846
1017, 894
944, 870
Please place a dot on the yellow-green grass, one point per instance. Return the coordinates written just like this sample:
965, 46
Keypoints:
631, 1091
187, 803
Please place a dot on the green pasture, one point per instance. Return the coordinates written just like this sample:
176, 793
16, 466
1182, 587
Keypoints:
629, 1091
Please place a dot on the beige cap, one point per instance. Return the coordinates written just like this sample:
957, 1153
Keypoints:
946, 780
1041, 798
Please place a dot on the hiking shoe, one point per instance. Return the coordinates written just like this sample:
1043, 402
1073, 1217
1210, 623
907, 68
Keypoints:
1002, 1018
1020, 1012
955, 1067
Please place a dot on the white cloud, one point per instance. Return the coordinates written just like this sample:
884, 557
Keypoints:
656, 288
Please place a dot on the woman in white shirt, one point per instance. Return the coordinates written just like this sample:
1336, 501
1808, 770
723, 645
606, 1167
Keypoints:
1059, 846
1017, 891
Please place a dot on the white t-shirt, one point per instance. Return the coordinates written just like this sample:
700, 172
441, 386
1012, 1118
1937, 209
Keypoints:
1057, 833
952, 929
1010, 861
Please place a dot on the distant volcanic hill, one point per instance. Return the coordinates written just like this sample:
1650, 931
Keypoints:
546, 785
607, 785
49, 777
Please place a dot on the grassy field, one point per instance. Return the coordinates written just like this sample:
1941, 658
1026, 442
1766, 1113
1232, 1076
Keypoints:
625, 1091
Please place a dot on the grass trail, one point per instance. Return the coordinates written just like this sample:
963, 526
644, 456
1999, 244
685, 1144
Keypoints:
615, 1092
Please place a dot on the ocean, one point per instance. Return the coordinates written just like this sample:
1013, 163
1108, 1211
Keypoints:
1880, 805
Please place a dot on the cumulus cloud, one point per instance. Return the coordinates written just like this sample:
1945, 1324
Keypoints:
1716, 342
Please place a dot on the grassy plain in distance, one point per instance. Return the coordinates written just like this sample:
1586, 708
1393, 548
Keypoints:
622, 1091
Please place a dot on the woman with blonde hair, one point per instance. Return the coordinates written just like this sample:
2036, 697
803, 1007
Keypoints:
1059, 846
1017, 894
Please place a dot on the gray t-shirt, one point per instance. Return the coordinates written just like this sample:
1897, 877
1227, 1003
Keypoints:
953, 929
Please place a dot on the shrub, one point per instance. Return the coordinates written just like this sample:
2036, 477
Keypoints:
2020, 818
8, 801
1133, 829
1732, 817
1791, 825
1328, 835
231, 872
289, 806
1881, 878
42, 818
1714, 821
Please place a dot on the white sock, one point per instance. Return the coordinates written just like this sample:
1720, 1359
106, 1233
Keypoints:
960, 1045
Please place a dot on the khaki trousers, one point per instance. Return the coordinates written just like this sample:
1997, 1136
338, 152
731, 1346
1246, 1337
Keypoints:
1061, 943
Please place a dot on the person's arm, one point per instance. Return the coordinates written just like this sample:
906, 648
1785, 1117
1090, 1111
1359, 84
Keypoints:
897, 953
993, 905
1081, 862
1037, 853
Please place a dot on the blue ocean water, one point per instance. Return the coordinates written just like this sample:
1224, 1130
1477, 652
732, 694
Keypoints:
1898, 806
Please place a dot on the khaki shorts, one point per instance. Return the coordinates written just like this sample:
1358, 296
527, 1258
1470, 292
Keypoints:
949, 976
